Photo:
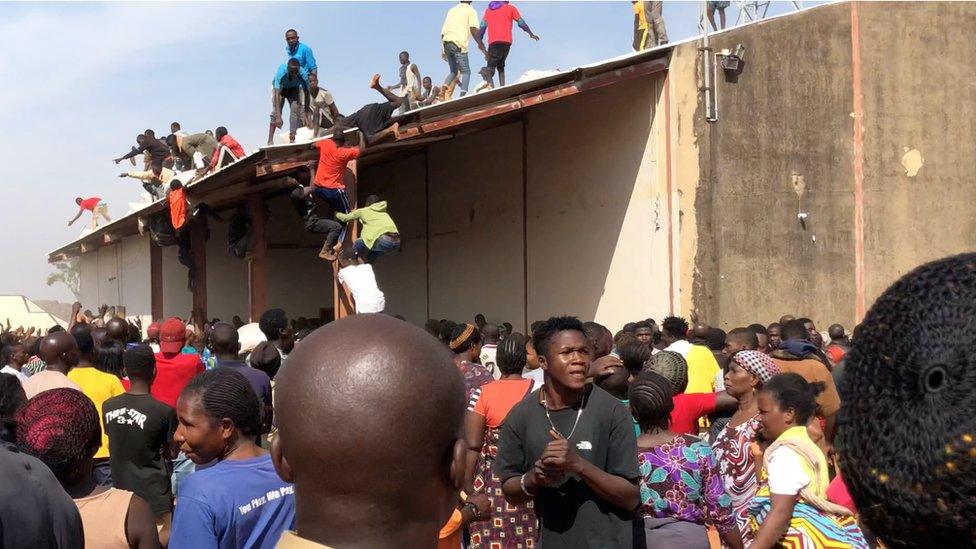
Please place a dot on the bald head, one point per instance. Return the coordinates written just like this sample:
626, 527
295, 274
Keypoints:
117, 329
490, 333
836, 331
399, 388
699, 334
786, 318
224, 340
59, 351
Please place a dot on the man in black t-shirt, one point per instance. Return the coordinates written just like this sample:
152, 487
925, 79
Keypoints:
140, 434
570, 447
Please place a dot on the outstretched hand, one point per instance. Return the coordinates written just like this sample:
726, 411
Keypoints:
534, 37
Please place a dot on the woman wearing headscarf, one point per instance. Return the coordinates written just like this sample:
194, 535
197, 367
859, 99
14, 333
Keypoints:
510, 526
747, 372
791, 507
681, 490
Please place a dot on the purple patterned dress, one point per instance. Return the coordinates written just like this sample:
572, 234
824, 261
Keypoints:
475, 375
679, 480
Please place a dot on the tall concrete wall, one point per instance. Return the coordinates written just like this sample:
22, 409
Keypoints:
788, 120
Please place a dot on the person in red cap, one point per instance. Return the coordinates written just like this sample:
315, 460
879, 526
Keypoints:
174, 369
152, 336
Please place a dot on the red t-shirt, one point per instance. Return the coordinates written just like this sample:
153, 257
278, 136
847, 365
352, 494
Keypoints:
332, 163
500, 23
493, 401
836, 353
688, 408
90, 203
173, 372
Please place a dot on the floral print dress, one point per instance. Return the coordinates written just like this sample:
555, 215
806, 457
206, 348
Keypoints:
679, 479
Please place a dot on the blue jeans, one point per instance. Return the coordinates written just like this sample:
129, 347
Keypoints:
182, 468
338, 201
385, 244
457, 62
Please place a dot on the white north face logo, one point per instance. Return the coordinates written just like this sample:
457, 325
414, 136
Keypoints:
584, 445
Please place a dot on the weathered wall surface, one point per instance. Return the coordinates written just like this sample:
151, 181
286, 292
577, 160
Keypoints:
117, 275
227, 290
597, 206
920, 119
475, 215
787, 119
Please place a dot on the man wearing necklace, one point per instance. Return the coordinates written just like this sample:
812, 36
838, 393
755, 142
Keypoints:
570, 448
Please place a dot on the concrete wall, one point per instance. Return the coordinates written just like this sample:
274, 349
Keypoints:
786, 118
177, 299
227, 285
745, 256
919, 97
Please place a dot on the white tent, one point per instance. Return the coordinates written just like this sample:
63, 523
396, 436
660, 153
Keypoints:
21, 311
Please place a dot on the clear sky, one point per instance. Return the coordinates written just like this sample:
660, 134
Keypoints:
81, 80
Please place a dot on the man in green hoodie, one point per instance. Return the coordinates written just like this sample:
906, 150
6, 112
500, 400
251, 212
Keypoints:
379, 235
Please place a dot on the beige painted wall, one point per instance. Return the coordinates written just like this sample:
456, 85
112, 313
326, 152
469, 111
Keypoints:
227, 291
597, 224
117, 275
177, 299
475, 216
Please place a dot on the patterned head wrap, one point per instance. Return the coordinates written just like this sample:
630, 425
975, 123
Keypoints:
757, 364
466, 331
672, 366
59, 427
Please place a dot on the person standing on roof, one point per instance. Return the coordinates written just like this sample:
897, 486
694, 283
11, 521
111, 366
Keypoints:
290, 84
95, 206
497, 21
460, 25
323, 107
649, 28
380, 235
225, 141
297, 50
409, 86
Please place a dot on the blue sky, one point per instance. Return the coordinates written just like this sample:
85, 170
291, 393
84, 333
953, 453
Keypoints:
82, 79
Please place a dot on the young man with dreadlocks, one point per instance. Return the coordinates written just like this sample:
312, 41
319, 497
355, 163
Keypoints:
61, 428
239, 501
570, 448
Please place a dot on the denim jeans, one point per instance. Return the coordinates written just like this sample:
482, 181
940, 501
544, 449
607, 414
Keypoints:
338, 201
457, 62
385, 244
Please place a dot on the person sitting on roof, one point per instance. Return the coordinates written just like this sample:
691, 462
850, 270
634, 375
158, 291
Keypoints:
380, 235
323, 107
290, 83
228, 143
95, 206
429, 94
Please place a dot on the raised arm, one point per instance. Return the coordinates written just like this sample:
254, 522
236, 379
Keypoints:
135, 151
75, 218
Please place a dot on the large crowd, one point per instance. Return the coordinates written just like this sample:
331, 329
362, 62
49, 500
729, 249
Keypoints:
371, 432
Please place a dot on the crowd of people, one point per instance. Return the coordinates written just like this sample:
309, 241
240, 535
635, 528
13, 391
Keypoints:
370, 432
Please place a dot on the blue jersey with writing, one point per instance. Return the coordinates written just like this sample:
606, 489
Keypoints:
239, 503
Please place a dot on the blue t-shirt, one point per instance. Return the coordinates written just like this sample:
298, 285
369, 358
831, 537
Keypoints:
235, 503
304, 55
283, 82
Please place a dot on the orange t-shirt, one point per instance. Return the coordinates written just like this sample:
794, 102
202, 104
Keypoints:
177, 207
494, 400
332, 163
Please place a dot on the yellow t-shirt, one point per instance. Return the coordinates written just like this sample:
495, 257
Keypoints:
641, 15
457, 25
99, 387
702, 368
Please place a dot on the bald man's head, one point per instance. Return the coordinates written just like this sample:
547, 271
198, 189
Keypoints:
362, 398
59, 351
117, 329
224, 340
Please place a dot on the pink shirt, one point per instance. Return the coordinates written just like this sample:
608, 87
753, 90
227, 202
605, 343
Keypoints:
500, 23
46, 380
